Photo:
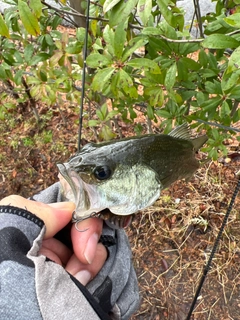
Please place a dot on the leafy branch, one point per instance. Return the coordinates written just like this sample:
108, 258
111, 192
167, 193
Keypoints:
141, 58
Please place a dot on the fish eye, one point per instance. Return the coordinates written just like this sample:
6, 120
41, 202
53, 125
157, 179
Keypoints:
102, 172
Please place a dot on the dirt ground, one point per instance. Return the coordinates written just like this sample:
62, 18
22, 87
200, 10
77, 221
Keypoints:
171, 241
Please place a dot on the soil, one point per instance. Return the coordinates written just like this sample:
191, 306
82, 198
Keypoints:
171, 241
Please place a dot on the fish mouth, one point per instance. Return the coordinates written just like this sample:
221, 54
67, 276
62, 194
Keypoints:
74, 190
72, 187
115, 221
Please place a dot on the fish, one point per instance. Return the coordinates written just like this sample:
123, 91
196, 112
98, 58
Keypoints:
115, 179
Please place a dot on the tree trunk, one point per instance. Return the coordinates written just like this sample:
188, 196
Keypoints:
80, 21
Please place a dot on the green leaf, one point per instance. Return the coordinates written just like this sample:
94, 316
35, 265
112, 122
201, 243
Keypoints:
163, 113
200, 96
108, 36
43, 75
230, 80
132, 113
211, 104
155, 96
171, 76
3, 28
101, 78
36, 6
40, 57
225, 110
106, 133
114, 85
144, 63
97, 60
100, 115
94, 27
190, 63
8, 58
51, 94
167, 14
109, 4
74, 48
135, 44
150, 112
203, 58
28, 52
112, 114
174, 20
126, 83
18, 57
152, 31
93, 123
3, 74
144, 8
213, 87
234, 60
235, 93
55, 58
121, 11
220, 41
233, 20
104, 110
29, 21
120, 39
215, 133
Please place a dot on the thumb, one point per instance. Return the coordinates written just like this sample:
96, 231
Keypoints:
55, 215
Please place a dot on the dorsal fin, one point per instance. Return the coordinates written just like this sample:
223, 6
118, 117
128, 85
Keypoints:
181, 132
199, 142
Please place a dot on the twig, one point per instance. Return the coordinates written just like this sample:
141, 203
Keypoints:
73, 13
31, 99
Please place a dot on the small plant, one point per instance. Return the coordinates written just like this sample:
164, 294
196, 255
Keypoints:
28, 142
47, 136
14, 143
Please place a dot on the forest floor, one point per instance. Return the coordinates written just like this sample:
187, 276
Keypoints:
171, 241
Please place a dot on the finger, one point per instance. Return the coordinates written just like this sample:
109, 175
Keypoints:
57, 248
84, 273
85, 243
50, 255
55, 215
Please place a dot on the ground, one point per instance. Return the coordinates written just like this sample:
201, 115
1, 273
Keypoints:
171, 241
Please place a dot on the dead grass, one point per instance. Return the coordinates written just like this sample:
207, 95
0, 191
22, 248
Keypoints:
172, 242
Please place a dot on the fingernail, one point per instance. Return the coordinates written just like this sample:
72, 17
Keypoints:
63, 205
83, 276
91, 247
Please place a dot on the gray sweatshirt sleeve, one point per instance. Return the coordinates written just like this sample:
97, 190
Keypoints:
115, 287
32, 286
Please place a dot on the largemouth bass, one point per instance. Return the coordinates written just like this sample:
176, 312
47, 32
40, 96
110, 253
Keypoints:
115, 179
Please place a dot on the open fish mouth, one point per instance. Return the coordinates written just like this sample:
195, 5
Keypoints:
74, 190
112, 220
115, 221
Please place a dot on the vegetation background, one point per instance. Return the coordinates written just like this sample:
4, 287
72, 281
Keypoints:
145, 72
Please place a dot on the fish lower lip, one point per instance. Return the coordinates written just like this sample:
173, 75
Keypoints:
117, 221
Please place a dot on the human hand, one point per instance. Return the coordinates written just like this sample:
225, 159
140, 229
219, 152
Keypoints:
88, 256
